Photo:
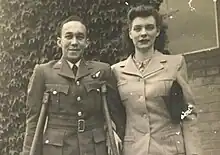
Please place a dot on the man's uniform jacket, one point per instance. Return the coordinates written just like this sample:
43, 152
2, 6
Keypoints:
72, 100
150, 129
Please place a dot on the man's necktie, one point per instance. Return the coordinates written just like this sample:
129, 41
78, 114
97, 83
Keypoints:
74, 69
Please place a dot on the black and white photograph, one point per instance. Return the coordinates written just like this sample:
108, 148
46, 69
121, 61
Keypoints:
109, 77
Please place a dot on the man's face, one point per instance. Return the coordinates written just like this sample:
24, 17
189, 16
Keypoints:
143, 32
72, 40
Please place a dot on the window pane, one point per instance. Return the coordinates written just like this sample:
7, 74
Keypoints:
191, 29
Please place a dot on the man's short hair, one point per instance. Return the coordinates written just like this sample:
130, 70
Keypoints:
70, 18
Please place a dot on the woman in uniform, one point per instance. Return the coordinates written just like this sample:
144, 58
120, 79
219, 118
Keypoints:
154, 89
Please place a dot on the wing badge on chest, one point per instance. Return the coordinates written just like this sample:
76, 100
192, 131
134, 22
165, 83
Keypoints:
96, 75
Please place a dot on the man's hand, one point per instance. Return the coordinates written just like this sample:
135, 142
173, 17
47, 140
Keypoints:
118, 143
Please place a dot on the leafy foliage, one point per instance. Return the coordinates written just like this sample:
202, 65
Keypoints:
28, 36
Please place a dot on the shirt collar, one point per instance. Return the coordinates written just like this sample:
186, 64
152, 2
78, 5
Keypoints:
138, 63
71, 64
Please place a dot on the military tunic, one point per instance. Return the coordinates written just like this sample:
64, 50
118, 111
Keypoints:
75, 120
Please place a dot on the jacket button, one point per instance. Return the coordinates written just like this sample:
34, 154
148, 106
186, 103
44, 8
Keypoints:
78, 98
77, 83
141, 98
54, 92
47, 141
79, 113
178, 142
177, 133
163, 61
141, 80
145, 115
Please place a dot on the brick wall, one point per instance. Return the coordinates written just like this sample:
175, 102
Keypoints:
204, 75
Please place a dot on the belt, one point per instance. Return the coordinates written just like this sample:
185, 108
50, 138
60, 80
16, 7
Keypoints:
80, 126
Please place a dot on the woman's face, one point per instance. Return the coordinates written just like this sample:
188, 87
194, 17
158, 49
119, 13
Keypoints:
143, 32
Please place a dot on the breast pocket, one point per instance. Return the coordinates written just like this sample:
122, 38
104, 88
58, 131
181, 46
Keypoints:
158, 88
93, 96
58, 94
123, 89
93, 87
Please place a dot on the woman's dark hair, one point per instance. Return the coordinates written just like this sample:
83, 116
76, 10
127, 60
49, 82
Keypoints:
145, 11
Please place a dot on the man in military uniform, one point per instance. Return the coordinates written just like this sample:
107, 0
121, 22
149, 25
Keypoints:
75, 120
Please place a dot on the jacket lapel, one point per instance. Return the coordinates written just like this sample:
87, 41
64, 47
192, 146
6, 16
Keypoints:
155, 65
83, 70
64, 69
130, 67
